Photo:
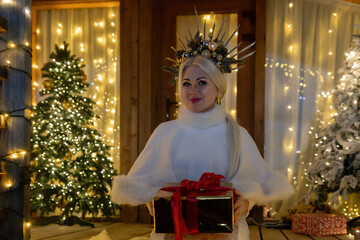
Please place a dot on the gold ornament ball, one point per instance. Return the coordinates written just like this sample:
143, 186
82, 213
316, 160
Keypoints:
67, 104
205, 53
219, 57
83, 78
48, 84
68, 156
213, 46
33, 163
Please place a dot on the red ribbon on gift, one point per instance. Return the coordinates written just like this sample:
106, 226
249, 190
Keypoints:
209, 183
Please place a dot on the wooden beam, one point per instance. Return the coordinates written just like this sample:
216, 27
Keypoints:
259, 105
129, 92
63, 4
352, 1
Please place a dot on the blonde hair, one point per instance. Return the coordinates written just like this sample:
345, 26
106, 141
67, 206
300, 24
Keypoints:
233, 131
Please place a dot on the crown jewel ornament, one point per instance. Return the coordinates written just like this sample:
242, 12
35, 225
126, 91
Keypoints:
212, 48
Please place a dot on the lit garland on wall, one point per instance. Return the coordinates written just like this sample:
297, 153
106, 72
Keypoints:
18, 157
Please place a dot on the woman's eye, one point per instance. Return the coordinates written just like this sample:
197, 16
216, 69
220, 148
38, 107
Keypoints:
186, 84
202, 82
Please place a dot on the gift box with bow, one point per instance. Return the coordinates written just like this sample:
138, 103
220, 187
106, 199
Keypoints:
319, 224
204, 206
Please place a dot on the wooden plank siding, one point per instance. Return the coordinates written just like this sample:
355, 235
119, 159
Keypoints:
15, 94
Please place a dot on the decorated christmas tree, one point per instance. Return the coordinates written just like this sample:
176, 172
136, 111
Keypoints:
71, 168
336, 167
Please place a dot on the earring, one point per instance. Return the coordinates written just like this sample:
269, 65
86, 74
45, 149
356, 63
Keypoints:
218, 100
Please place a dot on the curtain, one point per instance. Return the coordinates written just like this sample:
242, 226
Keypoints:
93, 35
305, 45
184, 24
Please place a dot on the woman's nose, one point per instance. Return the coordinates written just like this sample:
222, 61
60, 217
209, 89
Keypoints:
193, 88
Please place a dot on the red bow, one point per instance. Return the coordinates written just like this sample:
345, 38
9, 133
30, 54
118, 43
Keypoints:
209, 183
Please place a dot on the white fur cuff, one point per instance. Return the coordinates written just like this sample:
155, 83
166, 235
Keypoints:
126, 190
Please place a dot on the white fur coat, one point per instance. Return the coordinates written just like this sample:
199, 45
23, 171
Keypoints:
189, 146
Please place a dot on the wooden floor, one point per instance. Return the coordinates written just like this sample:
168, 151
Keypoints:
122, 231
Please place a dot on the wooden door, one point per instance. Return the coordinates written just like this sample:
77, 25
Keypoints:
167, 12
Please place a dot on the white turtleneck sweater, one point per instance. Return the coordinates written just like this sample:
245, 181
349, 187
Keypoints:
187, 147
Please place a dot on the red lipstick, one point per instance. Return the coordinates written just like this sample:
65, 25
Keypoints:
195, 100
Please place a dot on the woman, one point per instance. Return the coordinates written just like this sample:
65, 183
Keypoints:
203, 139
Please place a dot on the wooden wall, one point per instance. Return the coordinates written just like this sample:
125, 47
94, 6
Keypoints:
15, 94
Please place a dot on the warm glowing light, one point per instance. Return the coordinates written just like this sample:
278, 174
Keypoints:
289, 25
9, 185
27, 11
291, 129
330, 31
211, 30
329, 73
58, 31
28, 224
112, 24
100, 39
291, 48
8, 62
291, 5
27, 44
37, 47
35, 66
37, 31
14, 155
11, 44
289, 169
7, 1
330, 53
289, 107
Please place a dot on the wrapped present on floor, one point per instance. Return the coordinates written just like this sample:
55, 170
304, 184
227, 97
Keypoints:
319, 224
194, 207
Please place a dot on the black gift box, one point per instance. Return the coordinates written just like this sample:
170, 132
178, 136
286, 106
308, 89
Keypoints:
215, 212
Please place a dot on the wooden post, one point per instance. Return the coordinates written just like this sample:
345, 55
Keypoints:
15, 94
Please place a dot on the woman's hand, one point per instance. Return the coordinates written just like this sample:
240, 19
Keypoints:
241, 205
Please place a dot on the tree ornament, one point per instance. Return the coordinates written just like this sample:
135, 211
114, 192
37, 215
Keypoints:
67, 105
67, 156
33, 163
91, 192
33, 177
44, 133
83, 78
62, 203
48, 84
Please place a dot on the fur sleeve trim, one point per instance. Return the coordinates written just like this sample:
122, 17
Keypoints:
126, 190
274, 188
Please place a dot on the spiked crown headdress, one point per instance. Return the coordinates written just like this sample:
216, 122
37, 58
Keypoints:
213, 48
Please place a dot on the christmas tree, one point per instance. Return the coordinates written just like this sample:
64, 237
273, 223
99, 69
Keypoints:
336, 167
71, 170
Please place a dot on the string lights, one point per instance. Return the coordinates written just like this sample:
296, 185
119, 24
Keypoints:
323, 118
103, 74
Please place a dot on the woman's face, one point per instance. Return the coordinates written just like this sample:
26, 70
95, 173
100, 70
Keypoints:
198, 91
